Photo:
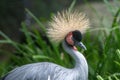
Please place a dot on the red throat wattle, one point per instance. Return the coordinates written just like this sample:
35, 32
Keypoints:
75, 48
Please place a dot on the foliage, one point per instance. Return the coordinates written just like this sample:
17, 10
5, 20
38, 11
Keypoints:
103, 54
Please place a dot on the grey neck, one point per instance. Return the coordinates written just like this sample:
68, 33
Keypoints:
80, 60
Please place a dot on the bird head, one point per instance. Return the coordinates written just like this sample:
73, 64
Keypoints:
74, 39
68, 26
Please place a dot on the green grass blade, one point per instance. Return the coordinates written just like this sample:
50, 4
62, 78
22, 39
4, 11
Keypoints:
115, 20
99, 77
72, 6
42, 57
36, 19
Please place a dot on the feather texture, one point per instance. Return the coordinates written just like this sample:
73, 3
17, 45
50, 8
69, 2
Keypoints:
65, 22
42, 71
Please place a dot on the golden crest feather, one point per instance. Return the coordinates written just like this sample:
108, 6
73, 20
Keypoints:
65, 22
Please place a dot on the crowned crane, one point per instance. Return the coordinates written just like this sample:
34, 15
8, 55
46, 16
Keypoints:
66, 27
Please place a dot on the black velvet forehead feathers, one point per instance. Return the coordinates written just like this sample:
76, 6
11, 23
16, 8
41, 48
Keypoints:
77, 35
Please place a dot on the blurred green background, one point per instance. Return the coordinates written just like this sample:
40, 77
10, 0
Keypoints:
23, 38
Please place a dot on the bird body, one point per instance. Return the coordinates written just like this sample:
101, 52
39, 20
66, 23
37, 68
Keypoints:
47, 70
51, 71
38, 71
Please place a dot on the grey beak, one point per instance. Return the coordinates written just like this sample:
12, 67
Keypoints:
81, 45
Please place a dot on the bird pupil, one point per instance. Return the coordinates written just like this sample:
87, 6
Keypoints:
77, 35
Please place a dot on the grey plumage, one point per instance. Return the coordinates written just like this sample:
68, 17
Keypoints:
66, 27
45, 70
